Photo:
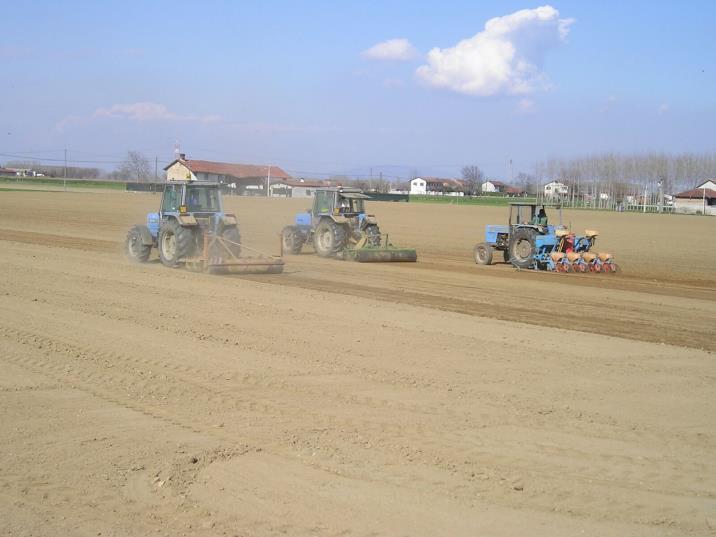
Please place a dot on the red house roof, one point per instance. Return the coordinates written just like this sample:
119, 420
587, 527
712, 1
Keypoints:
697, 193
239, 171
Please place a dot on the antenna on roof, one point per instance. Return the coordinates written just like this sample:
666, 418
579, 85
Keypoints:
177, 149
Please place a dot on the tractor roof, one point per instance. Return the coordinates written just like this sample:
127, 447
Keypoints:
546, 205
193, 182
341, 189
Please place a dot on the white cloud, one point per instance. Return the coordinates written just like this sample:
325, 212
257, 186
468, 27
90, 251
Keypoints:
393, 49
147, 111
503, 59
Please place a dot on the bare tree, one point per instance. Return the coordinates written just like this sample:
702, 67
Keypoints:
135, 166
473, 176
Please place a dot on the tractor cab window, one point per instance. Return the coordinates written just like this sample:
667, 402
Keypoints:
170, 200
322, 202
200, 199
540, 219
350, 205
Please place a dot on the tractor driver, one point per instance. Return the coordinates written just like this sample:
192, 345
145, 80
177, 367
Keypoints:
344, 205
540, 219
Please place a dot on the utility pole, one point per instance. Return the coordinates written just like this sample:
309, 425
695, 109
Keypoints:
64, 182
156, 169
268, 181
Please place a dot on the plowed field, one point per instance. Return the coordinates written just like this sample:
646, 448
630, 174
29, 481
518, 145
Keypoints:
434, 398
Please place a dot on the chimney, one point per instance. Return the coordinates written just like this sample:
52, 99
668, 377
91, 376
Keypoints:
182, 156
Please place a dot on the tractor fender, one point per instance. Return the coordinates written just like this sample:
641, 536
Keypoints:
230, 220
146, 235
187, 220
338, 219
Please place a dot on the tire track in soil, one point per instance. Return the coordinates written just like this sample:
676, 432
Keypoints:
484, 456
598, 322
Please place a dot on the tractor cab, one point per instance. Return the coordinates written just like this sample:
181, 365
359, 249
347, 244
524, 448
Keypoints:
191, 197
345, 202
536, 216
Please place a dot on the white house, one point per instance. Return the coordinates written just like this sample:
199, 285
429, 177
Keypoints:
493, 186
418, 186
555, 189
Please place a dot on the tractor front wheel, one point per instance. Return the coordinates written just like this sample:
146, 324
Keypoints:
329, 238
522, 248
134, 246
291, 240
175, 243
483, 254
373, 235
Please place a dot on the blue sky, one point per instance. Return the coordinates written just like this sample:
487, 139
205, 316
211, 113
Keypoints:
291, 83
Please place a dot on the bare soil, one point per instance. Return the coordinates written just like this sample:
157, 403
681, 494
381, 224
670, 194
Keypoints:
433, 398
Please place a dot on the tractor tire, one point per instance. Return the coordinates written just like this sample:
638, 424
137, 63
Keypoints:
175, 243
291, 241
522, 248
134, 247
373, 233
231, 233
483, 254
329, 238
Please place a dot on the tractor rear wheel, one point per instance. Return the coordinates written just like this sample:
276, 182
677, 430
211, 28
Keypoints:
175, 243
291, 240
134, 246
373, 234
329, 238
483, 254
522, 247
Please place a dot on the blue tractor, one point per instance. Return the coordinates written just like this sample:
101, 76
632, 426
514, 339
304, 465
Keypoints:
526, 237
529, 241
191, 229
338, 226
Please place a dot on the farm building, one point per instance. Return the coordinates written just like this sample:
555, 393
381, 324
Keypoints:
696, 201
438, 186
555, 189
246, 179
296, 188
418, 186
493, 186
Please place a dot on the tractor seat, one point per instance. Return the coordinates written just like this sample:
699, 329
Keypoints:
591, 233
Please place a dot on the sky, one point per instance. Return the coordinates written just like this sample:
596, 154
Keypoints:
337, 87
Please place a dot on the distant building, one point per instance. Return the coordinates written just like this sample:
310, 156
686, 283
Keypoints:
709, 183
696, 201
418, 186
439, 186
493, 186
297, 188
555, 189
513, 191
247, 179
